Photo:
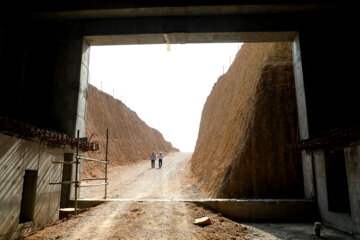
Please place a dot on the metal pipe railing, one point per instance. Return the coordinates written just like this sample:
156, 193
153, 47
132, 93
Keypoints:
91, 185
92, 179
107, 161
91, 159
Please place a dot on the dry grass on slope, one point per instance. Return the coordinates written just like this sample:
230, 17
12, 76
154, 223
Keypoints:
247, 122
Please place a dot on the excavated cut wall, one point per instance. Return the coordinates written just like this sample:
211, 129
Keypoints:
130, 139
248, 121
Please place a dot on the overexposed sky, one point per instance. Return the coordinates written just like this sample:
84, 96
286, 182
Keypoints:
167, 89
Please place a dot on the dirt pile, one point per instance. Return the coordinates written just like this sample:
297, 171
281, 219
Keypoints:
130, 139
247, 122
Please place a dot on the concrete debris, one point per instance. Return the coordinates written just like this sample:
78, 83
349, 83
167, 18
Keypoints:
202, 221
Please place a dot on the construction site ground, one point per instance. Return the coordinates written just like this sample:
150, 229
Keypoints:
145, 205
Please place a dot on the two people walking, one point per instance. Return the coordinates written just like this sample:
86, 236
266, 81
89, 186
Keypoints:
153, 159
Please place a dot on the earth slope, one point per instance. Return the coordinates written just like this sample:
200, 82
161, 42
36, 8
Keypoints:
247, 122
130, 139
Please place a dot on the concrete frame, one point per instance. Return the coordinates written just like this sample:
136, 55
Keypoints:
314, 185
52, 35
341, 221
221, 37
81, 35
78, 27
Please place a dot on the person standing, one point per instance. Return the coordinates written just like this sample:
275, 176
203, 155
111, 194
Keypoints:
153, 158
160, 159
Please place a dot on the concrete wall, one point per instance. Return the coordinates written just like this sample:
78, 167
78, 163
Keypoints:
16, 156
352, 159
329, 77
341, 221
264, 210
326, 93
27, 62
42, 64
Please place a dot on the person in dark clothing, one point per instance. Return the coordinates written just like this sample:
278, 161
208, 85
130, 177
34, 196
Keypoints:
153, 158
160, 159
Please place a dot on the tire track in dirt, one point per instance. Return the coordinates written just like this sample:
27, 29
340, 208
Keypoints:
140, 181
148, 183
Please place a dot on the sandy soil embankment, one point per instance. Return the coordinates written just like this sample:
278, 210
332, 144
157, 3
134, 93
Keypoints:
247, 122
130, 138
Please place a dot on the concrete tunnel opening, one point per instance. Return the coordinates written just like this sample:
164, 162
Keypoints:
297, 192
45, 54
303, 132
167, 78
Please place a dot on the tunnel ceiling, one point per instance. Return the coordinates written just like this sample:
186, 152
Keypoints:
116, 9
140, 22
182, 38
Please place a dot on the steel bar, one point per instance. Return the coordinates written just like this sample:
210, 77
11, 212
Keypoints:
335, 138
91, 185
92, 179
92, 159
25, 130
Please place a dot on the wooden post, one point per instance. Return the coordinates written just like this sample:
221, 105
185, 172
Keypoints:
106, 160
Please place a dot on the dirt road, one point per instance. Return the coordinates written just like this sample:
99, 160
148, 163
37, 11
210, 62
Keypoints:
140, 181
145, 219
151, 214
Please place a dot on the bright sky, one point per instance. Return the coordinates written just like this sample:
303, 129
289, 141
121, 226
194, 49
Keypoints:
167, 89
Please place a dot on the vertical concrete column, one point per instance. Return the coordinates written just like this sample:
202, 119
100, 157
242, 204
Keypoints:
352, 160
83, 88
69, 90
308, 171
82, 96
70, 93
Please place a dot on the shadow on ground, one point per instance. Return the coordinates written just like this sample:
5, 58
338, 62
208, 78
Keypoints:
285, 231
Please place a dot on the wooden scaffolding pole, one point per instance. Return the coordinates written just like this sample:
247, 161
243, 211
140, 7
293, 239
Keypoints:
76, 171
107, 161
